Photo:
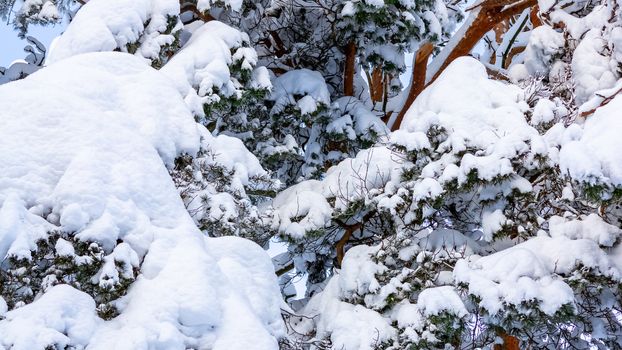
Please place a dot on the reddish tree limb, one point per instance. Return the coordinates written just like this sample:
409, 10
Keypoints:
509, 342
513, 52
533, 16
417, 82
487, 15
376, 84
344, 239
350, 69
205, 17
604, 102
349, 230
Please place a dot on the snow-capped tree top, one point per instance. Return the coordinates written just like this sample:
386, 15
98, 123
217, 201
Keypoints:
202, 67
141, 27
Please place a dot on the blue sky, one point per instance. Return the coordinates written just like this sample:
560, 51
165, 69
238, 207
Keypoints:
12, 47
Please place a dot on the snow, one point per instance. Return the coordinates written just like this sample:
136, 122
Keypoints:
314, 91
201, 68
349, 180
447, 243
348, 326
362, 119
592, 71
230, 153
348, 9
62, 316
304, 207
528, 271
490, 118
107, 25
544, 44
16, 70
44, 10
591, 156
310, 207
90, 140
205, 5
433, 301
543, 112
492, 222
591, 227
64, 248
411, 141
358, 272
19, 229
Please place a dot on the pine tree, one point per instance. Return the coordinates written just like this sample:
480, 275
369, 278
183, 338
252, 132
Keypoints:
477, 207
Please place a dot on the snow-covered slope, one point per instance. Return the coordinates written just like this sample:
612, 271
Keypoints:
85, 147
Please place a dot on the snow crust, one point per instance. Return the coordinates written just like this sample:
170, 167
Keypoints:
348, 326
528, 272
305, 207
63, 316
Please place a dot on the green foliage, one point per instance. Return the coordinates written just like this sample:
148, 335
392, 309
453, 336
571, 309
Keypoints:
25, 279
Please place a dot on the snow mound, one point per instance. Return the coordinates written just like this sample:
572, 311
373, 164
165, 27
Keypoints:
489, 117
348, 326
201, 67
305, 207
312, 93
86, 144
592, 156
531, 271
63, 316
140, 26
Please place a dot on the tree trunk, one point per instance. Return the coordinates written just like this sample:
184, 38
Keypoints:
376, 85
417, 82
349, 70
509, 342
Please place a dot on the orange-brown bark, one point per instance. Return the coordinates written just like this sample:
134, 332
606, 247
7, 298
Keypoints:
533, 16
513, 52
417, 82
350, 69
509, 342
490, 13
376, 84
205, 17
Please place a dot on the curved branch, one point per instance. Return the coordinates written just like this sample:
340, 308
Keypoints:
417, 83
484, 17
